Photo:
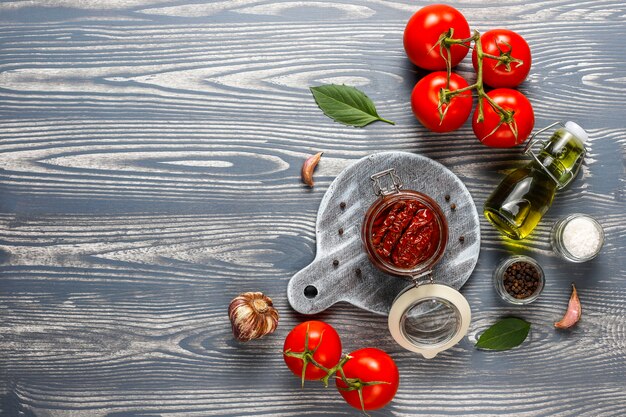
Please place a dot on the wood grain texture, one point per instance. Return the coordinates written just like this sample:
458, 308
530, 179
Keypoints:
150, 153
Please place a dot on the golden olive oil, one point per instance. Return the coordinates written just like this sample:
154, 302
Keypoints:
517, 205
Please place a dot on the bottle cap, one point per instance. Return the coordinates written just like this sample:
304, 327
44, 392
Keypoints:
577, 131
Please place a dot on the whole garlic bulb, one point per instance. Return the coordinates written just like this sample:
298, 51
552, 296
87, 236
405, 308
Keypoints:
252, 315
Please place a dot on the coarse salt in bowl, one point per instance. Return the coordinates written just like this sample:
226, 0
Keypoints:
577, 237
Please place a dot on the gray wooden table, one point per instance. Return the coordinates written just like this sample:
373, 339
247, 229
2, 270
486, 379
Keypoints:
150, 154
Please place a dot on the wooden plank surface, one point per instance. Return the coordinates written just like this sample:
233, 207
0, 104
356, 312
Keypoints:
150, 155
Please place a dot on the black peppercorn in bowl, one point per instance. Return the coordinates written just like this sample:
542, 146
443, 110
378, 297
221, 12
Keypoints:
519, 280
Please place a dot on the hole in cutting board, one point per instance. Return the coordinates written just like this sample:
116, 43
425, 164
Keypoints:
310, 291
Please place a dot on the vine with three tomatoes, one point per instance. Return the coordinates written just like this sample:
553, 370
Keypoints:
437, 38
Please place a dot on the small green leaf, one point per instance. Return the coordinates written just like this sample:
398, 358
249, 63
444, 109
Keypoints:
347, 105
504, 335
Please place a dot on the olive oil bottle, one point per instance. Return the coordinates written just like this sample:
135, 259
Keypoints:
517, 205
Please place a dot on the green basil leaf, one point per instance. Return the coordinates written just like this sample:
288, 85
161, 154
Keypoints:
347, 105
504, 335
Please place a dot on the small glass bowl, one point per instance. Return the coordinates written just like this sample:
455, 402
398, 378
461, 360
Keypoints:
558, 244
498, 280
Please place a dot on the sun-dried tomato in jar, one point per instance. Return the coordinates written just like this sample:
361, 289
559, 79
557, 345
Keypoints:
404, 232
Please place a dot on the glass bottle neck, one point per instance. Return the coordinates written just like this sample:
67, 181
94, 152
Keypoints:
547, 173
561, 157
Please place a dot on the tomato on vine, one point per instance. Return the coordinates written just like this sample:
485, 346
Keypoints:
507, 58
504, 130
425, 32
433, 109
369, 379
311, 349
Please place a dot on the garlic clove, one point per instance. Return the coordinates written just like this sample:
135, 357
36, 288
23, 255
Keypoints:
573, 313
252, 315
308, 167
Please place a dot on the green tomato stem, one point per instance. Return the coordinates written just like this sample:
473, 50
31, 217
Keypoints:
448, 41
491, 56
450, 94
447, 95
480, 88
479, 77
337, 368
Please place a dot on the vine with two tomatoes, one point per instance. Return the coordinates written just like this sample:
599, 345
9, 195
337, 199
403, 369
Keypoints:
367, 378
437, 38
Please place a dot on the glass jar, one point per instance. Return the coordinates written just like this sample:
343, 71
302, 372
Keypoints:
577, 238
382, 209
405, 234
499, 285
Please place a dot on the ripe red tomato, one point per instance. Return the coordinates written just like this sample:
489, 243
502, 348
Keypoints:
323, 339
503, 136
365, 366
508, 42
422, 33
425, 100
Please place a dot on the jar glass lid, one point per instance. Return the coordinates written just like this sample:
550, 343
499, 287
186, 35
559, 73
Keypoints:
429, 319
